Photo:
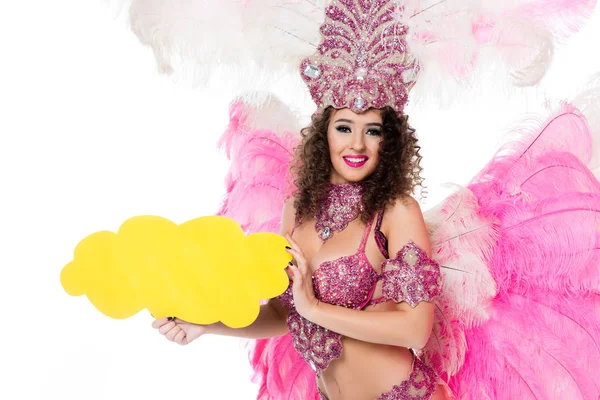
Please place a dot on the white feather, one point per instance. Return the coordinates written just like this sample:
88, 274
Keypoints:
588, 102
461, 242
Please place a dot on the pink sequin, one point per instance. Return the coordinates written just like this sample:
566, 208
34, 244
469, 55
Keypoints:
317, 345
411, 276
420, 385
349, 281
343, 205
362, 60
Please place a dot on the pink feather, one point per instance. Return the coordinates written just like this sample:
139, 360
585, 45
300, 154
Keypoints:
258, 182
258, 179
565, 131
551, 245
446, 348
548, 206
542, 346
535, 229
280, 371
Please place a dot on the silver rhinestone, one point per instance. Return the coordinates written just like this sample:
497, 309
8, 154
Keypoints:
312, 71
359, 103
361, 73
326, 233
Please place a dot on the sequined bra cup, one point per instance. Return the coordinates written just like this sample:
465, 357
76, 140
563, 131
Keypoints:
350, 281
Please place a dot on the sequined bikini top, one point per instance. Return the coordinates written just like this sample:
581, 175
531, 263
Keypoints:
347, 281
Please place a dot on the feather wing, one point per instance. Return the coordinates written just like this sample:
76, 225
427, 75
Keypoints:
539, 346
258, 182
537, 332
462, 241
280, 371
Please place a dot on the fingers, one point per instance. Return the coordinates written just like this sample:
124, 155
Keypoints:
294, 245
180, 337
296, 252
173, 332
294, 272
166, 327
292, 241
297, 274
289, 272
157, 323
300, 262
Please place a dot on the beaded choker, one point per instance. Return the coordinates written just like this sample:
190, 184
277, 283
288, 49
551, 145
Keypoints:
343, 204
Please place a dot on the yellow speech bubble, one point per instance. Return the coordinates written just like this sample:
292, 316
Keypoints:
203, 271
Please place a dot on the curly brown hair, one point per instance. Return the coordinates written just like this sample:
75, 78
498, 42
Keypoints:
397, 173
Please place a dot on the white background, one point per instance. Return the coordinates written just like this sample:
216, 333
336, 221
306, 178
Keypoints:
91, 135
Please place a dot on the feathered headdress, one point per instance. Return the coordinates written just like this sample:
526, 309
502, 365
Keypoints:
446, 39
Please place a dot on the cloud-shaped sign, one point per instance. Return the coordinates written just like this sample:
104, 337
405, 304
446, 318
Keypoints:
203, 271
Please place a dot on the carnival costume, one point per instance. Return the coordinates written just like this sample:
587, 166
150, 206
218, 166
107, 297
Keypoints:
515, 274
349, 281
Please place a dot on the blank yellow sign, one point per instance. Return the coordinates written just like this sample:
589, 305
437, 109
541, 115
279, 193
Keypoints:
203, 271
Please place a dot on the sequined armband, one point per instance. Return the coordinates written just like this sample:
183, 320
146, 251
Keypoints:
411, 276
286, 298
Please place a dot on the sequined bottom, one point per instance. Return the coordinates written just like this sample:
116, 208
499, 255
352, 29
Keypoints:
420, 385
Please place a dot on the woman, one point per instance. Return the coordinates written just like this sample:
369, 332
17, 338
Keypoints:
516, 291
351, 214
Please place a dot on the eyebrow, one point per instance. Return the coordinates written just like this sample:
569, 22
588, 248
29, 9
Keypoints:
351, 122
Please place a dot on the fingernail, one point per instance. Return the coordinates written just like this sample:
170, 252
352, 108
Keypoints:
288, 247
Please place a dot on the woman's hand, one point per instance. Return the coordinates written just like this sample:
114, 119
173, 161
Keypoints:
179, 331
302, 287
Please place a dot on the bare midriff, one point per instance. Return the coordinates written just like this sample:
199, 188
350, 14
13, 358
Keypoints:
365, 370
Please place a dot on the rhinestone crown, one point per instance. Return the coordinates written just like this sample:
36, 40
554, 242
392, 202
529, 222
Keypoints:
362, 60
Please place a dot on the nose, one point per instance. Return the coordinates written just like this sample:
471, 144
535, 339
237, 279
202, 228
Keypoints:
358, 142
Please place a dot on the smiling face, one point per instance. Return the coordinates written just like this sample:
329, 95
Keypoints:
354, 141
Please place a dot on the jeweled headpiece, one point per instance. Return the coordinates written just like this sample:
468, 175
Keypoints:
362, 60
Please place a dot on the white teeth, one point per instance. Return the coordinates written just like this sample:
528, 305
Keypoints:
356, 160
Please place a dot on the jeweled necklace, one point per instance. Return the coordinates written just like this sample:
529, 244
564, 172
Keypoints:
343, 204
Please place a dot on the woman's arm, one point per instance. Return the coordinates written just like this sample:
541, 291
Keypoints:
406, 326
271, 320
269, 323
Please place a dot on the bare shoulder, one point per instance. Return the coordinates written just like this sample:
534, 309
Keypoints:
289, 205
402, 209
402, 222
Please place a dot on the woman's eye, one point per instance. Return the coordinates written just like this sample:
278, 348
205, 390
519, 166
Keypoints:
343, 129
374, 132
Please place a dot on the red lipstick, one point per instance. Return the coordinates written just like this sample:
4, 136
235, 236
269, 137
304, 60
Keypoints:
355, 161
